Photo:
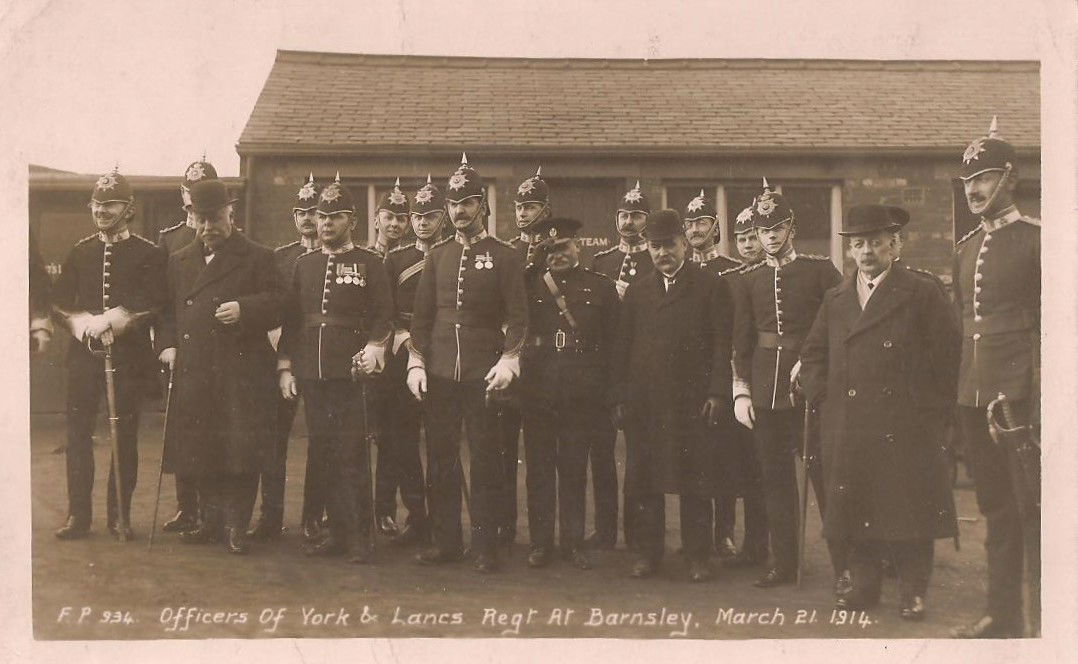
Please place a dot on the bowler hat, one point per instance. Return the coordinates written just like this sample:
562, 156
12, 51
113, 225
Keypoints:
663, 225
210, 195
867, 219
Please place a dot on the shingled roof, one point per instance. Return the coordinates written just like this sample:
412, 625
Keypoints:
382, 103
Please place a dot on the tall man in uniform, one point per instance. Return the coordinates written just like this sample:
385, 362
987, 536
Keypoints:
565, 383
881, 361
401, 414
271, 513
776, 304
702, 232
172, 239
672, 388
337, 315
224, 299
626, 262
392, 218
111, 287
997, 292
472, 285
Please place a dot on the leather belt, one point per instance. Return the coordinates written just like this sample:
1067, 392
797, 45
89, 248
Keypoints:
562, 341
775, 340
320, 320
1020, 321
405, 315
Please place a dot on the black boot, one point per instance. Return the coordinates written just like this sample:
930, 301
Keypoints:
236, 541
73, 528
268, 527
182, 521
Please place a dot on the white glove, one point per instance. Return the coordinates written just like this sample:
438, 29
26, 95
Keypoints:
399, 338
744, 412
370, 359
96, 326
621, 286
417, 382
168, 357
794, 371
287, 382
119, 319
502, 373
274, 337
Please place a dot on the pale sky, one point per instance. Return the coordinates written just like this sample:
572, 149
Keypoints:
151, 85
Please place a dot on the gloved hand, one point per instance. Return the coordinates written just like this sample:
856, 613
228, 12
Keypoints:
39, 340
621, 286
370, 359
712, 411
287, 382
743, 411
417, 382
502, 373
96, 326
168, 358
119, 319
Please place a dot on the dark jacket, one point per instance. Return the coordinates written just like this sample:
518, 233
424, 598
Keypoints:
886, 378
223, 410
672, 353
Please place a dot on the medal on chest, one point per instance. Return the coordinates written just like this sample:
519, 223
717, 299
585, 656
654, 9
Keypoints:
352, 274
484, 261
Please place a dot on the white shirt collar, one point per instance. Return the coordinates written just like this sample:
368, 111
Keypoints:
669, 279
867, 287
774, 261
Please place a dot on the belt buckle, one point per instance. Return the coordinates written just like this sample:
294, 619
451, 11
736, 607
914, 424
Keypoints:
559, 340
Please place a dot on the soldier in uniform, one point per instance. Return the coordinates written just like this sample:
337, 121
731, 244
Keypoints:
111, 287
626, 262
271, 516
223, 300
391, 226
881, 360
565, 381
337, 314
472, 284
749, 485
402, 418
171, 240
702, 232
672, 388
997, 293
777, 301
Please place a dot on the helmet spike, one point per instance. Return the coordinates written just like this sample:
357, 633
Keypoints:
310, 177
767, 187
397, 184
701, 192
637, 185
428, 178
337, 178
539, 171
993, 128
463, 158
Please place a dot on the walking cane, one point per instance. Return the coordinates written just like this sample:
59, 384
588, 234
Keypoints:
110, 394
804, 493
161, 467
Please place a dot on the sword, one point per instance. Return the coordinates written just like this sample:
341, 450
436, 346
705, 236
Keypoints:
161, 468
803, 507
110, 393
1021, 440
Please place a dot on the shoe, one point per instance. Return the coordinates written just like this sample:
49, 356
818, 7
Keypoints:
700, 571
773, 578
843, 584
644, 568
236, 541
539, 556
601, 542
360, 553
412, 534
388, 527
181, 522
913, 609
312, 530
204, 534
115, 531
725, 548
436, 556
987, 628
73, 529
265, 529
331, 546
485, 563
578, 559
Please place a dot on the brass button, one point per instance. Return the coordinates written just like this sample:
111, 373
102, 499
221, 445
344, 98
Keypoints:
190, 302
977, 336
186, 336
888, 391
889, 437
852, 393
888, 344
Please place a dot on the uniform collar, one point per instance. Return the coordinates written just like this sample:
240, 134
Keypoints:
1009, 216
188, 222
111, 238
529, 237
463, 239
309, 244
344, 248
781, 261
626, 248
422, 245
700, 256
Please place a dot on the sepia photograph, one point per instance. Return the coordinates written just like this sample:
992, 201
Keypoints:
510, 321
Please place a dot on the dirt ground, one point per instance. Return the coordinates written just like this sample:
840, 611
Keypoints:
97, 588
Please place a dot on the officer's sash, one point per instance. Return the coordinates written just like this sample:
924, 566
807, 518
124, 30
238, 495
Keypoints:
559, 299
410, 271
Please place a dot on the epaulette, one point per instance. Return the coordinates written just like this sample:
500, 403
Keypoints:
286, 246
172, 228
968, 235
728, 270
136, 235
401, 248
500, 241
86, 239
1032, 221
444, 240
372, 252
815, 257
598, 274
310, 252
755, 266
605, 251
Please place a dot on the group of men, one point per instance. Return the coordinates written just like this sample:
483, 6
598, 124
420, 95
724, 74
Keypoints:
712, 367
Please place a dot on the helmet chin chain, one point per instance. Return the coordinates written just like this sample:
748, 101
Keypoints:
437, 228
996, 189
479, 210
524, 227
785, 241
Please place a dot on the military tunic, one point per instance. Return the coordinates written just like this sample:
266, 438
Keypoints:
623, 262
174, 238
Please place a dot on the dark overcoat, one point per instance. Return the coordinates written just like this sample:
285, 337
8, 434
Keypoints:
672, 353
223, 408
887, 380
